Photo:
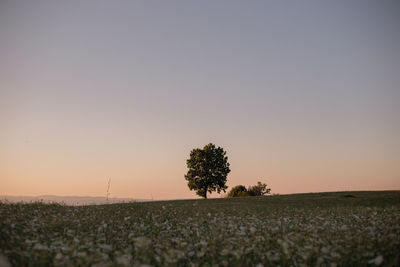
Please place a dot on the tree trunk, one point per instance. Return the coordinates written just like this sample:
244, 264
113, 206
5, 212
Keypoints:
205, 193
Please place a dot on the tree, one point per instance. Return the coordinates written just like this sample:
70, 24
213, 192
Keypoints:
208, 170
258, 190
238, 191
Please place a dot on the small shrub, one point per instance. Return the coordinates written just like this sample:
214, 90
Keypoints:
238, 191
258, 190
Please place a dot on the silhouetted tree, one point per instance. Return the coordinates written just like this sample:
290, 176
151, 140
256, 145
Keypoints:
238, 191
258, 190
208, 170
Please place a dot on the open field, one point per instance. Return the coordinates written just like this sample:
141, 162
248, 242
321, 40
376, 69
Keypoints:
302, 229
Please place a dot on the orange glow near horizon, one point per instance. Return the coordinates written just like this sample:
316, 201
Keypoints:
158, 171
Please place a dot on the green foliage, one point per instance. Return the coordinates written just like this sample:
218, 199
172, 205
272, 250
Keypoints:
238, 191
258, 190
208, 170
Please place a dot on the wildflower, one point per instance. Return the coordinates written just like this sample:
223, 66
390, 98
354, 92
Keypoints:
4, 261
377, 261
124, 259
40, 247
142, 242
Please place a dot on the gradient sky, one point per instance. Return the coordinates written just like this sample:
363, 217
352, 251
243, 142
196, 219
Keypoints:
303, 95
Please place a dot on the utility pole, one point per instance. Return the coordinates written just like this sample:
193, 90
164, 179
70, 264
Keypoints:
108, 188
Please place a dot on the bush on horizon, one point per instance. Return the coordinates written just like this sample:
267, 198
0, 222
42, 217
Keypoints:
260, 189
238, 191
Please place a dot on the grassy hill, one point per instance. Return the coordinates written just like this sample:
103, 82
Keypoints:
342, 228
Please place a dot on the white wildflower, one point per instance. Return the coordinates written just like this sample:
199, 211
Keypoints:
142, 242
40, 247
124, 259
200, 253
224, 252
284, 246
377, 261
29, 242
4, 261
203, 243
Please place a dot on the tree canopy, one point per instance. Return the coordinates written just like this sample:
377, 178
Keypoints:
208, 170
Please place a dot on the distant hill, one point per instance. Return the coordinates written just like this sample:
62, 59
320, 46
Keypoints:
69, 200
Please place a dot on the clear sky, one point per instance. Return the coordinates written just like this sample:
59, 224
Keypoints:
303, 95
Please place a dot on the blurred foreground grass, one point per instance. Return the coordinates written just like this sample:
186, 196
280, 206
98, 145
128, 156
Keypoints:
324, 229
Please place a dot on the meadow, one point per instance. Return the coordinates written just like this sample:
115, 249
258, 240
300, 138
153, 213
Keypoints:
321, 229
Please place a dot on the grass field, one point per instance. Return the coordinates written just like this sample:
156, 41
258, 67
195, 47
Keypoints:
325, 229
